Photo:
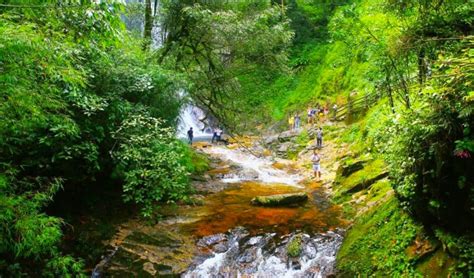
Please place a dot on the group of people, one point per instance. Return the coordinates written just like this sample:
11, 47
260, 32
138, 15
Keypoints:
317, 114
294, 121
313, 115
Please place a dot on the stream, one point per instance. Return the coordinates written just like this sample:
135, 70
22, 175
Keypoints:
225, 235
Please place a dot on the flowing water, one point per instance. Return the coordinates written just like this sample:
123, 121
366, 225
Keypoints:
227, 236
191, 116
253, 168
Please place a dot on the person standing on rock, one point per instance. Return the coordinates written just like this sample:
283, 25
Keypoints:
190, 135
334, 110
219, 135
297, 121
310, 115
316, 160
319, 137
291, 122
214, 136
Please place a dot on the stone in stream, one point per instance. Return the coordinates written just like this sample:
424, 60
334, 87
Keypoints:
211, 240
280, 199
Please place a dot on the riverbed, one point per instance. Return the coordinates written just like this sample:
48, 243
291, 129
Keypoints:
224, 235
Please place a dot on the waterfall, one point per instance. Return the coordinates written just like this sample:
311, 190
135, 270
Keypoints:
192, 116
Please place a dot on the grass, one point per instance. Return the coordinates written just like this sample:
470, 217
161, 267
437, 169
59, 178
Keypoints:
200, 162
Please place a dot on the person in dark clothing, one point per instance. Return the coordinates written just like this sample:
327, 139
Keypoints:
319, 138
190, 135
214, 136
219, 135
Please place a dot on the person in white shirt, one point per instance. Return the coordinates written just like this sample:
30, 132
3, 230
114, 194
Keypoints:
316, 160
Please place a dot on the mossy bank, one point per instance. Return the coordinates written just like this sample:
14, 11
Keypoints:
384, 238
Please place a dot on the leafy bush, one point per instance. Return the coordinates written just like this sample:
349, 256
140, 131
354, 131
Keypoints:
152, 162
68, 79
431, 156
29, 236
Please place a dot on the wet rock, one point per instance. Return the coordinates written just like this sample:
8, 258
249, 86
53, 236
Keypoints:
270, 140
248, 256
295, 264
211, 240
239, 233
422, 247
164, 269
220, 247
287, 135
280, 199
148, 267
257, 256
284, 147
248, 174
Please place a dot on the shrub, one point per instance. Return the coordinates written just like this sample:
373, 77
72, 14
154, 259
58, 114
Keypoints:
431, 156
152, 162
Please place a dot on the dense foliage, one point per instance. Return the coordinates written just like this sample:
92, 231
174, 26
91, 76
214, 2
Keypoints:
216, 44
79, 97
84, 101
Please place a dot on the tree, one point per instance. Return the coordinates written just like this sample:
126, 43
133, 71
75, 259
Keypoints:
215, 44
148, 26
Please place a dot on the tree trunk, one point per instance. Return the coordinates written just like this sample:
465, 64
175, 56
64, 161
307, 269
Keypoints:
389, 89
148, 26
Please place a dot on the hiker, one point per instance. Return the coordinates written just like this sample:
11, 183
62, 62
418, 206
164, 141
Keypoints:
190, 135
291, 122
334, 109
319, 137
316, 114
297, 121
310, 115
214, 136
219, 135
316, 160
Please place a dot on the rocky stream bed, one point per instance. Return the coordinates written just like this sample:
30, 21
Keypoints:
225, 235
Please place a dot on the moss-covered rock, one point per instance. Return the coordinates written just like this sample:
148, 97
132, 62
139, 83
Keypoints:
346, 168
361, 179
376, 243
293, 248
280, 199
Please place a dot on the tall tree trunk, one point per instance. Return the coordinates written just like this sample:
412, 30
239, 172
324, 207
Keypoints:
155, 8
421, 67
389, 89
148, 25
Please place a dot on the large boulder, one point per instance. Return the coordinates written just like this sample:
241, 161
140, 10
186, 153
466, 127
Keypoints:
346, 169
366, 183
280, 199
287, 135
270, 140
285, 147
312, 132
